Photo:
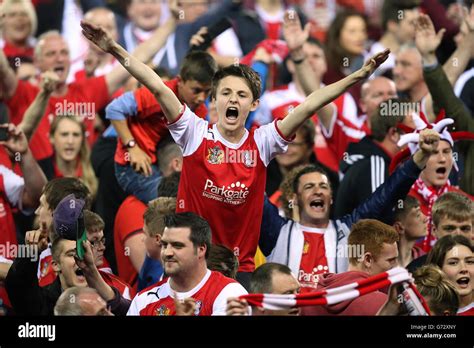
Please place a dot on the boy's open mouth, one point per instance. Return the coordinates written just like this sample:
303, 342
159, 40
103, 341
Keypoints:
232, 113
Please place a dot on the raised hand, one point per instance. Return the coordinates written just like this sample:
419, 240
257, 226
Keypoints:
98, 36
198, 38
87, 263
428, 145
174, 8
38, 238
426, 38
16, 141
429, 141
49, 80
373, 63
295, 37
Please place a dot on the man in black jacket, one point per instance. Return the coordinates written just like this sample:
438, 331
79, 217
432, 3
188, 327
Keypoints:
365, 165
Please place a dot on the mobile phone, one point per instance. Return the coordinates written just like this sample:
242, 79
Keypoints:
81, 236
213, 32
3, 120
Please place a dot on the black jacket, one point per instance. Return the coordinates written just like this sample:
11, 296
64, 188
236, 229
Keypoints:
24, 292
364, 169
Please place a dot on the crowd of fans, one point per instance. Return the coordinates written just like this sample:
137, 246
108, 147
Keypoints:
165, 157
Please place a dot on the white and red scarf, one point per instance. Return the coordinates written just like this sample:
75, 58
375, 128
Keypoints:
430, 194
335, 295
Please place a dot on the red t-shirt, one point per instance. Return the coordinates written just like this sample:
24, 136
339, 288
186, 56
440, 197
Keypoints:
224, 182
148, 126
7, 224
313, 259
210, 295
86, 97
12, 51
128, 222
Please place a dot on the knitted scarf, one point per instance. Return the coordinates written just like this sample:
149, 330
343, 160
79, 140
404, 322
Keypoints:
430, 195
336, 295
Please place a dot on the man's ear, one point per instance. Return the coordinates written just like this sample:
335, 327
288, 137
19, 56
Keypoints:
398, 226
157, 238
367, 260
295, 210
393, 134
56, 267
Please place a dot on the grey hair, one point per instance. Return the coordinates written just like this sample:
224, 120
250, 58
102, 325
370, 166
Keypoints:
44, 36
69, 302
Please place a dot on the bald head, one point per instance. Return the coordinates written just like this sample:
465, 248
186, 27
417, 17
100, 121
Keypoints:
104, 18
376, 91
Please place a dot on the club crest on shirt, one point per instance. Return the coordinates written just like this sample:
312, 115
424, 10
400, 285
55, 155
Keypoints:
3, 211
305, 247
215, 155
198, 307
162, 311
44, 269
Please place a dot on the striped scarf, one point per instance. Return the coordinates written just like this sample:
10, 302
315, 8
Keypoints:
430, 194
340, 294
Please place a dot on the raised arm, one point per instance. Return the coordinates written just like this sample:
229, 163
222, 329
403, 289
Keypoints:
8, 79
321, 97
397, 186
295, 37
35, 111
32, 173
170, 104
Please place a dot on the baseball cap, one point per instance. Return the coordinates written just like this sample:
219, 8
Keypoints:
67, 215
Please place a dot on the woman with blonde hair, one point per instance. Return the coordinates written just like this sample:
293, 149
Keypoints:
71, 156
18, 23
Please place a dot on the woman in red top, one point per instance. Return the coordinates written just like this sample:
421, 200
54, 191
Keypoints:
71, 156
18, 24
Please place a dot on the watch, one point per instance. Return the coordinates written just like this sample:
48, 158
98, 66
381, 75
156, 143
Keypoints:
131, 143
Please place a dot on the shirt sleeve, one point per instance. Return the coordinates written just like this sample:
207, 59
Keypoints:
231, 290
122, 107
270, 142
188, 131
133, 309
14, 185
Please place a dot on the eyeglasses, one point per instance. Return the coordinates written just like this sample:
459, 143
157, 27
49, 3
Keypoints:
96, 244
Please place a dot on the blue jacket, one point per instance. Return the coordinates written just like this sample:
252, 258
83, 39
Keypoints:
278, 234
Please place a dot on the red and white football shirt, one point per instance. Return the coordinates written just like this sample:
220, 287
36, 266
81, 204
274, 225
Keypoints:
224, 182
210, 294
467, 311
313, 258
